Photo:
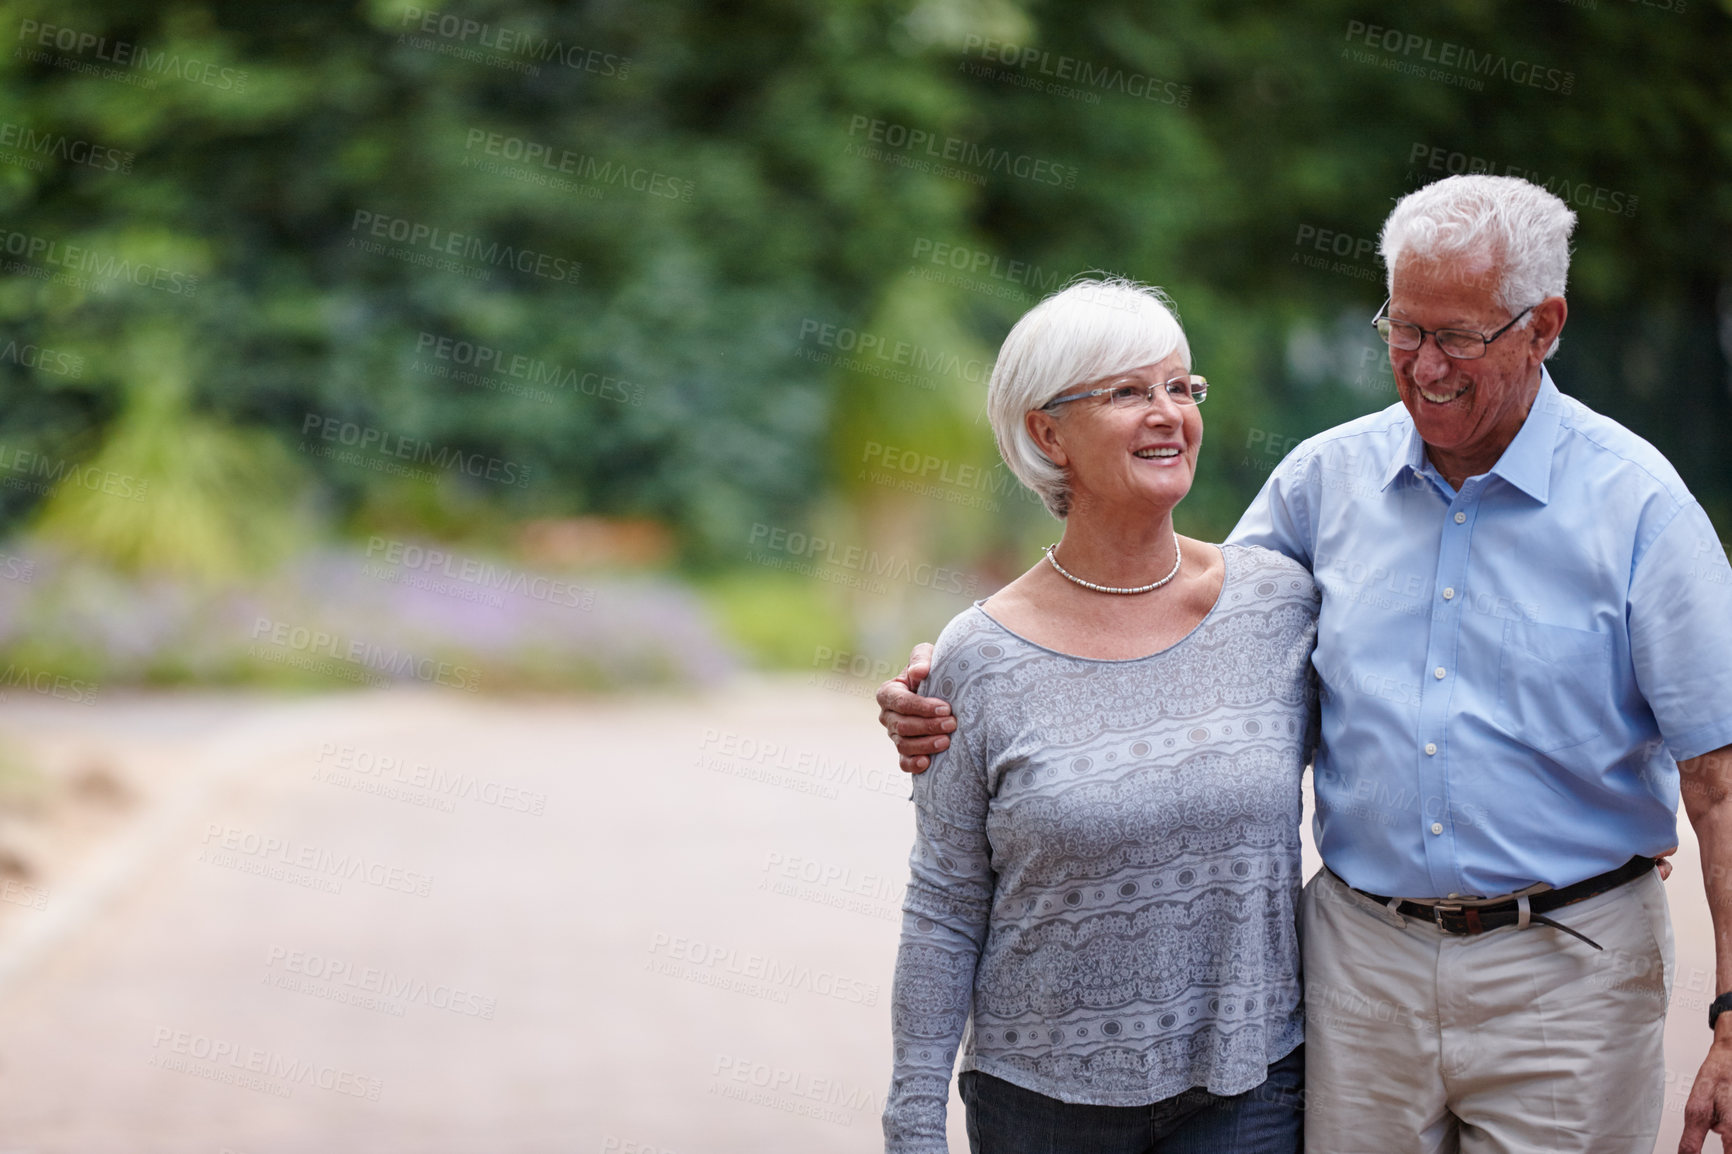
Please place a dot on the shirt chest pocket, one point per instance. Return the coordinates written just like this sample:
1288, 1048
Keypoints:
1553, 684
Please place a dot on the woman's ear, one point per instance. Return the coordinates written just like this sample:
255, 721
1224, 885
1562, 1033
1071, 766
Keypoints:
1043, 428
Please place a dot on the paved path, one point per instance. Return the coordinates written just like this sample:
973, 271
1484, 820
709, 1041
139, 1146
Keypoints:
431, 923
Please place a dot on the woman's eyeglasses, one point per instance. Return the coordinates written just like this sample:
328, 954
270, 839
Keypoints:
1130, 393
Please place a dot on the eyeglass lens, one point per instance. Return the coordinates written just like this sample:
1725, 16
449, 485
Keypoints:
1407, 337
1184, 390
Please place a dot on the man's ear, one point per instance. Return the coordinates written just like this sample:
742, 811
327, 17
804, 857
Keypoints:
1042, 426
1548, 321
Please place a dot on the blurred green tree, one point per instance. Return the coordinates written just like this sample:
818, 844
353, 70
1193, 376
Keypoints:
600, 242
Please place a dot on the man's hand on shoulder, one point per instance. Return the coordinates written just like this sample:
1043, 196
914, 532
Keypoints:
917, 725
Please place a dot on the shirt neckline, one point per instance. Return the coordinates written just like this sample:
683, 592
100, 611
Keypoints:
1227, 574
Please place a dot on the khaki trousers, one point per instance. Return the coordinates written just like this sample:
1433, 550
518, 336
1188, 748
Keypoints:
1512, 1041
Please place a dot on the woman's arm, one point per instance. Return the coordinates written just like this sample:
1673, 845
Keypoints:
944, 926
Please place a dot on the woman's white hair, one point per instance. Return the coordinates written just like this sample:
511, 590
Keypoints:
1087, 330
1517, 224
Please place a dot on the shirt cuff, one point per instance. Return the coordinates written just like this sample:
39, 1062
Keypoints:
1703, 739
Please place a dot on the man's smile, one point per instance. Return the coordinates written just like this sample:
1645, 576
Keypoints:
1442, 398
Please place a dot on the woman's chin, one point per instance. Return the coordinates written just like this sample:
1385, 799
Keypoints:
1139, 500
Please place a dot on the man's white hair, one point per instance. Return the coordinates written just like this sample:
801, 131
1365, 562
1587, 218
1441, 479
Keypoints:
1520, 226
1087, 330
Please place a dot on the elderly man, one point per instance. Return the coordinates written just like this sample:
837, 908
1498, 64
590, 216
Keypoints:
1525, 655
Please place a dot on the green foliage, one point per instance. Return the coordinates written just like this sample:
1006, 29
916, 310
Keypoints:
175, 493
721, 196
778, 618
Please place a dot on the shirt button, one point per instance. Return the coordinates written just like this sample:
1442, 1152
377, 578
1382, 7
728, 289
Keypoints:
1431, 749
1449, 593
1438, 673
1460, 517
1437, 827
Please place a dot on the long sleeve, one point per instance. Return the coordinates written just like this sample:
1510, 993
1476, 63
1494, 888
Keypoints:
944, 927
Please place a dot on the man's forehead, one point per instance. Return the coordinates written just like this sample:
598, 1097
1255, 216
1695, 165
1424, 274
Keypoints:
1468, 282
1473, 267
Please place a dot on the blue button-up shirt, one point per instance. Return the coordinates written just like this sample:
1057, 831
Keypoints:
1510, 672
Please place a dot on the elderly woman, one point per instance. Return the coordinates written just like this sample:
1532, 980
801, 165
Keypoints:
1106, 858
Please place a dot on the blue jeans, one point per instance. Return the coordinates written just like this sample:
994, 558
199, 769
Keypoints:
1004, 1118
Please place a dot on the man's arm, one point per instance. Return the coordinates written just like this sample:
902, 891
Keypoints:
1707, 790
1278, 516
916, 724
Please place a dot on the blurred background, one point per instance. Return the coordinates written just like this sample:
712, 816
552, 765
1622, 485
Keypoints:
464, 470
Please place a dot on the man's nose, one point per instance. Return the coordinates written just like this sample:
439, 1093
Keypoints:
1429, 362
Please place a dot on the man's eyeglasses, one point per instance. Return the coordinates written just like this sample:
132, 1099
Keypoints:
1129, 393
1459, 344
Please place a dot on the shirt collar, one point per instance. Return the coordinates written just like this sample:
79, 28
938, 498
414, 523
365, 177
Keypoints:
1527, 461
1412, 460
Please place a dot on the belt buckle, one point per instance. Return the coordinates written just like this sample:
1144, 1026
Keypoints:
1468, 925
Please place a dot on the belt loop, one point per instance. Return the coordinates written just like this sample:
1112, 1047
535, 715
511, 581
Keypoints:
1395, 912
1523, 912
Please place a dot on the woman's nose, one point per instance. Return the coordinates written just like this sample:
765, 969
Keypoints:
1163, 409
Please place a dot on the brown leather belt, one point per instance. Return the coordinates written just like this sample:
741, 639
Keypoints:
1474, 917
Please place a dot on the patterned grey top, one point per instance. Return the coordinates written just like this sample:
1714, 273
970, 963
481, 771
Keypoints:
1106, 861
